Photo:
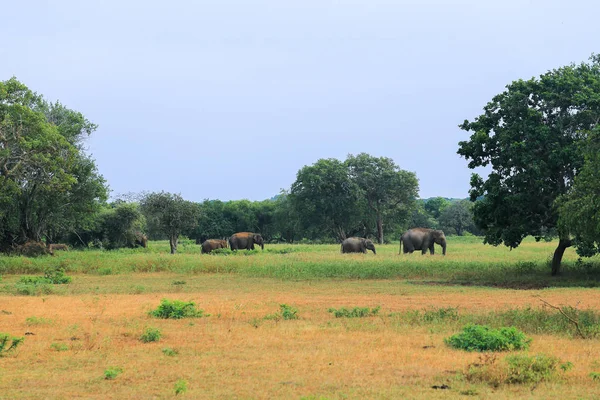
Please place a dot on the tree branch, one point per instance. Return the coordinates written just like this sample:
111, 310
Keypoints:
574, 322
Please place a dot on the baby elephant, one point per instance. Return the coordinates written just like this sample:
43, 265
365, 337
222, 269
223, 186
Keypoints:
213, 244
357, 245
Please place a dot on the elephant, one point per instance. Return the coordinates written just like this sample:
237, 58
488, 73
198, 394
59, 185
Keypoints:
213, 244
357, 245
246, 240
422, 239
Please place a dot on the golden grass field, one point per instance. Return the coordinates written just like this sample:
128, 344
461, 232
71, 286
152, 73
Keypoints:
235, 353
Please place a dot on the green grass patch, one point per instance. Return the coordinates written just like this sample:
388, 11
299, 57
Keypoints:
484, 338
356, 312
286, 312
37, 321
112, 372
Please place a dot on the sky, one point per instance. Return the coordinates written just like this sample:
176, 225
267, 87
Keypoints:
229, 99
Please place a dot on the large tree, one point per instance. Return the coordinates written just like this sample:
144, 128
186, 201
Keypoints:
48, 185
457, 218
387, 189
529, 135
170, 214
326, 198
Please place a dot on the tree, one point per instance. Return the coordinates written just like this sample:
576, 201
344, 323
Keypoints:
48, 185
385, 187
530, 135
579, 209
286, 219
435, 206
170, 214
457, 218
325, 197
212, 222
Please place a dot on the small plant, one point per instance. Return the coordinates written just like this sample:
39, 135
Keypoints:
56, 276
34, 321
168, 351
177, 309
179, 283
180, 386
356, 312
105, 271
288, 312
9, 343
595, 376
151, 335
112, 372
59, 347
221, 252
483, 338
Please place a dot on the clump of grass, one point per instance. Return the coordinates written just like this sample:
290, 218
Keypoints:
176, 309
180, 386
112, 372
483, 338
516, 369
177, 283
52, 276
221, 252
595, 376
286, 312
356, 312
151, 335
431, 316
168, 351
35, 321
285, 250
9, 343
104, 271
59, 347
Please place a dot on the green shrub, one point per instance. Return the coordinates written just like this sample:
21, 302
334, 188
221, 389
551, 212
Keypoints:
356, 312
484, 338
52, 276
168, 351
595, 376
5, 347
221, 252
285, 312
151, 335
180, 386
176, 309
112, 372
29, 289
533, 369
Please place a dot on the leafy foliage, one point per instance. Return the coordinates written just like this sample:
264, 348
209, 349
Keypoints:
176, 309
9, 343
530, 136
150, 335
112, 372
483, 338
533, 369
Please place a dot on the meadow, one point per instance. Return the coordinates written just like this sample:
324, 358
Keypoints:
294, 321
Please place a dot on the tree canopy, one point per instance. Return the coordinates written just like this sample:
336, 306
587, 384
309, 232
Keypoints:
530, 136
48, 185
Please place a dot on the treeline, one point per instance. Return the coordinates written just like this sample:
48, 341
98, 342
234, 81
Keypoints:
50, 190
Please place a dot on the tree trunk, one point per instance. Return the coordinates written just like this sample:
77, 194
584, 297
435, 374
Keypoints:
173, 243
379, 228
558, 254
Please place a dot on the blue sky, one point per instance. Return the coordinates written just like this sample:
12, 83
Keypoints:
229, 99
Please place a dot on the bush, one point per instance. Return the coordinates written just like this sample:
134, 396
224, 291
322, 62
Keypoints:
112, 372
533, 369
176, 309
5, 347
356, 312
151, 335
59, 347
32, 321
516, 369
483, 338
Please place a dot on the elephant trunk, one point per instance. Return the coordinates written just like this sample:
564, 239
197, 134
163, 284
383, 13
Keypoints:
374, 252
262, 246
444, 248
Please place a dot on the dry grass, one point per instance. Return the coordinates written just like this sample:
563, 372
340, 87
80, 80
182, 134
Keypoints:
235, 353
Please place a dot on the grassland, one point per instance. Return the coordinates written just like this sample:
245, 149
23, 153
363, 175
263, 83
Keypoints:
80, 333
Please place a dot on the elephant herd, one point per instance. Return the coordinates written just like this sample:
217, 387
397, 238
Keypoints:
414, 239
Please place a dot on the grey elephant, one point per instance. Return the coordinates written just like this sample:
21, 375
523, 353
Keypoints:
213, 244
246, 240
422, 239
357, 245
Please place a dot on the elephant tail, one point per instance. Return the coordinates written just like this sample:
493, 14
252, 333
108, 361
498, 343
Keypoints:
400, 250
